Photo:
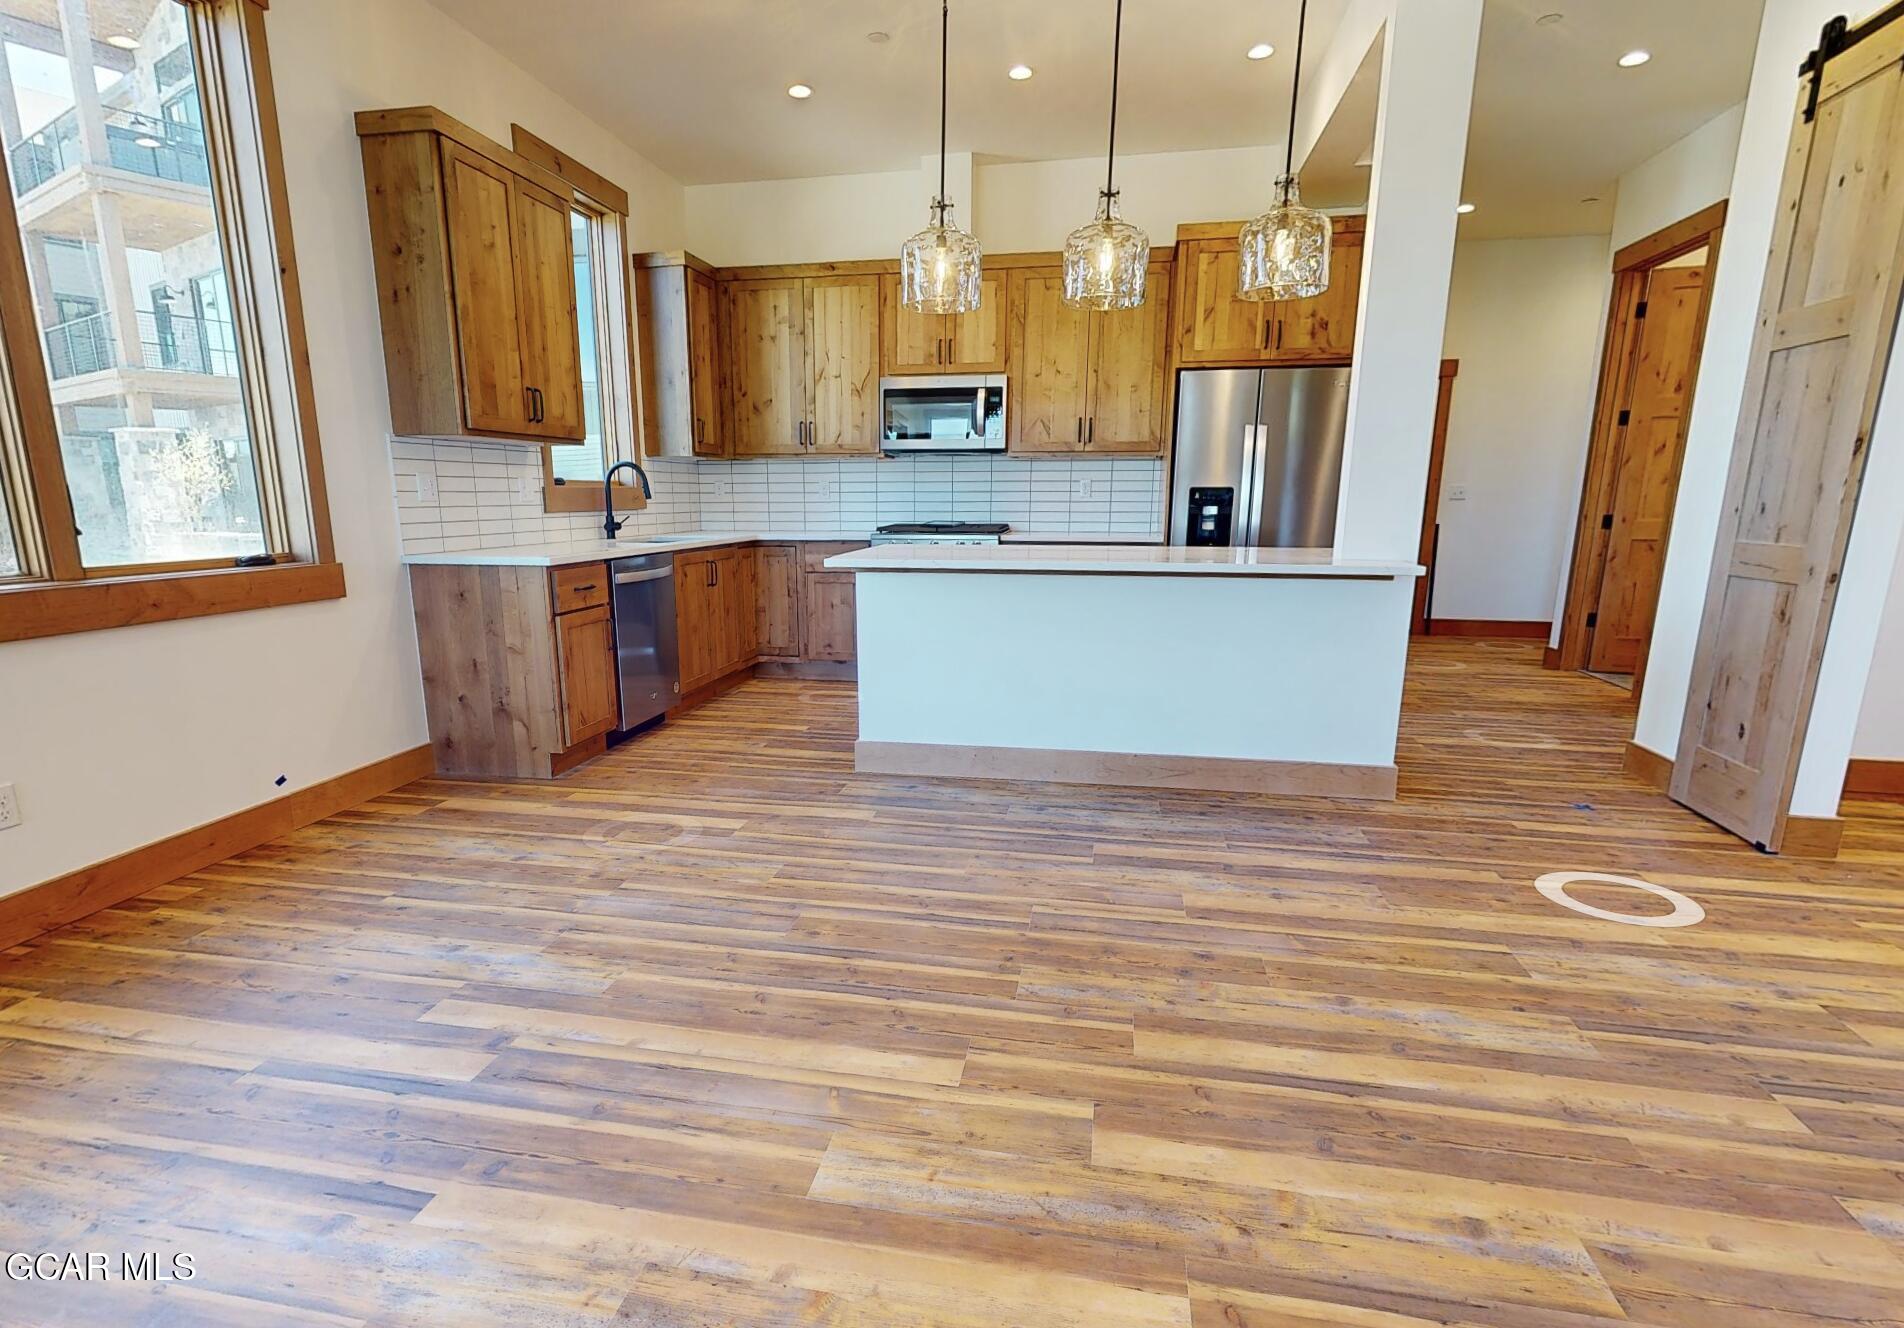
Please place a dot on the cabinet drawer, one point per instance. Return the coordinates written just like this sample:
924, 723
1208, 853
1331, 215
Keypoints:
813, 556
583, 586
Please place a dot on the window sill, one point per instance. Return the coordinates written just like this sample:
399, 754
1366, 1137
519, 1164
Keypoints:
586, 496
66, 607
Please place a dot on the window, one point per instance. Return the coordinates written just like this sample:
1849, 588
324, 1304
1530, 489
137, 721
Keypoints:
163, 420
598, 225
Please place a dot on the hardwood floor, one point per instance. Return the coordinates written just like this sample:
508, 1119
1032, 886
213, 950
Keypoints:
717, 1032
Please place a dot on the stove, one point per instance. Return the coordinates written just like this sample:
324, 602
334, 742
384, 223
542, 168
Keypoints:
941, 532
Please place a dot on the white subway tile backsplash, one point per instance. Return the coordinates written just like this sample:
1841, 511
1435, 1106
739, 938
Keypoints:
480, 498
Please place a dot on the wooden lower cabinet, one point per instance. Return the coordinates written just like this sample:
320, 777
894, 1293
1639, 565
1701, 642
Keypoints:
777, 621
512, 686
747, 604
831, 622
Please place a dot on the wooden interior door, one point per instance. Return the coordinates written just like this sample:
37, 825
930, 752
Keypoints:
551, 340
479, 203
912, 342
704, 360
1050, 365
1129, 348
767, 358
1647, 477
843, 364
1216, 325
1826, 320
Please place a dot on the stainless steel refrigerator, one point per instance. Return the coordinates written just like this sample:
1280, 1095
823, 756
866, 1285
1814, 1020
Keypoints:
1258, 458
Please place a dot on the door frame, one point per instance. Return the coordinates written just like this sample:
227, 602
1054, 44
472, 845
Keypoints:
1421, 617
1632, 266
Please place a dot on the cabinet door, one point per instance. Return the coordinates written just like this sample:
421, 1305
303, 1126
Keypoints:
767, 358
1050, 365
910, 342
479, 202
976, 341
1214, 324
704, 360
777, 615
1128, 351
551, 344
741, 603
694, 611
585, 651
843, 364
1324, 328
831, 628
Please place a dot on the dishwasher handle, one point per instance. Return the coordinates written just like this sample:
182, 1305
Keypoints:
652, 574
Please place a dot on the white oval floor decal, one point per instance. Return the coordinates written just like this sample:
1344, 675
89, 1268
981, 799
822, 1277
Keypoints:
1685, 911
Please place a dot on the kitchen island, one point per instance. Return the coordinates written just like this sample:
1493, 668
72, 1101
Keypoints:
1255, 670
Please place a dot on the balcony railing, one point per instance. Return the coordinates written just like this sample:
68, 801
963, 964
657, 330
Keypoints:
142, 144
170, 343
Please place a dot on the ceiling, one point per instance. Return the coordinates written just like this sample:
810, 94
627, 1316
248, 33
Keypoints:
700, 89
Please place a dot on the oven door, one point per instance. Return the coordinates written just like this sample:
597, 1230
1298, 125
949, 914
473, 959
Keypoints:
954, 413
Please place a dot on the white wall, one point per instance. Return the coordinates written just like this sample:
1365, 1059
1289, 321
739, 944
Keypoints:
1789, 30
1524, 320
1880, 735
118, 739
1693, 173
1017, 206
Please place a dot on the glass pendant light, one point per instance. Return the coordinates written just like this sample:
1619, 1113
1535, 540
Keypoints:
939, 267
1285, 252
1105, 260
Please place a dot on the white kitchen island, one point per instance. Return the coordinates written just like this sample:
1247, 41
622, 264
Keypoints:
1261, 670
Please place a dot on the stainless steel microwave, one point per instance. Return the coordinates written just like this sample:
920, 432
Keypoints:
942, 413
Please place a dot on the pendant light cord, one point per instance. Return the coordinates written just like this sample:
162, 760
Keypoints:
945, 41
1295, 90
1117, 46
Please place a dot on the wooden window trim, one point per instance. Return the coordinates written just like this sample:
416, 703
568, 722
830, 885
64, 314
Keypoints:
595, 194
57, 594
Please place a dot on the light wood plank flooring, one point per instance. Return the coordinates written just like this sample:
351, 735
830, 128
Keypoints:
716, 1032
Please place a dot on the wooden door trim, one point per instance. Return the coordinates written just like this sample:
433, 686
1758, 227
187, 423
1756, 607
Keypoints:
1420, 624
1619, 357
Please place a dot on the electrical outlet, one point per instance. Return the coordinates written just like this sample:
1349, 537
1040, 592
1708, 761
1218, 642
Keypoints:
9, 807
825, 489
1458, 494
1084, 488
528, 486
723, 488
426, 486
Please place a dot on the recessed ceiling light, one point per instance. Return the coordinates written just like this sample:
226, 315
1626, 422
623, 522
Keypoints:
1261, 51
123, 43
877, 37
799, 92
1634, 59
1020, 72
1465, 208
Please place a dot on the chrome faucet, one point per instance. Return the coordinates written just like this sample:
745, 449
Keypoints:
609, 522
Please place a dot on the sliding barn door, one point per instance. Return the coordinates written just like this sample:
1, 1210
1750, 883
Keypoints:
1823, 336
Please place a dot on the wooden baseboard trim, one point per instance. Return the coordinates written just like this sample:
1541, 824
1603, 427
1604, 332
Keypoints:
820, 670
586, 750
1550, 657
1648, 766
1811, 837
1869, 778
1220, 774
707, 691
1505, 628
64, 899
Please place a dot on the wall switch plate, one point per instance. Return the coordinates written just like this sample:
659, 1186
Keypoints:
426, 486
1458, 493
9, 807
1084, 488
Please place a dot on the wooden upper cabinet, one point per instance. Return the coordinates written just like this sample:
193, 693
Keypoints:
683, 401
767, 365
975, 341
1217, 326
476, 283
1214, 323
551, 336
842, 315
1129, 349
1049, 387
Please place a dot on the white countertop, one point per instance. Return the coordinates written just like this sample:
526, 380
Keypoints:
1171, 560
593, 551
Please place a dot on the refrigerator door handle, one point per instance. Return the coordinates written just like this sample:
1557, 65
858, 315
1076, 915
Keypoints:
1242, 524
1258, 463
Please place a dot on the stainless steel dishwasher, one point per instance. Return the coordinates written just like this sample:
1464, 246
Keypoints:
647, 654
